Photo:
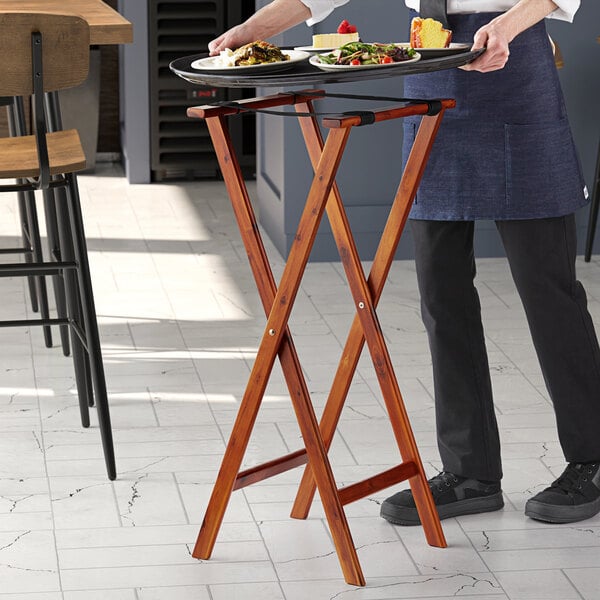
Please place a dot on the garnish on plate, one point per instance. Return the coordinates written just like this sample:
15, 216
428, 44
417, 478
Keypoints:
360, 54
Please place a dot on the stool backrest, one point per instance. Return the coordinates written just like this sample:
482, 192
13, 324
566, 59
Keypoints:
65, 51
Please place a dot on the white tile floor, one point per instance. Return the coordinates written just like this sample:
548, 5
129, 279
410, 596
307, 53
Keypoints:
180, 321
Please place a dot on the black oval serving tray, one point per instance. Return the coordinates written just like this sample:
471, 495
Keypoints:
304, 73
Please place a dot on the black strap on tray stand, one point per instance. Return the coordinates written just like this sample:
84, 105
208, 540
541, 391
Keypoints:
367, 117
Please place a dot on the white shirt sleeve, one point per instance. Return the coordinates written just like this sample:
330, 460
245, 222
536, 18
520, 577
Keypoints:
566, 10
319, 9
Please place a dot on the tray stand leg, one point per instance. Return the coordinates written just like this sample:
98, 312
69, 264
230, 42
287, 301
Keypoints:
366, 327
276, 339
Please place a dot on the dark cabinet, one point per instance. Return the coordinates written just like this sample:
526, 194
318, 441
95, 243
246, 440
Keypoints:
173, 146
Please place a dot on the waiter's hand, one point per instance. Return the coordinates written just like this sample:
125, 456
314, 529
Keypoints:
495, 41
271, 19
233, 38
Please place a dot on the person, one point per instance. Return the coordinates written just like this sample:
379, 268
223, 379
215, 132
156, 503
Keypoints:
506, 154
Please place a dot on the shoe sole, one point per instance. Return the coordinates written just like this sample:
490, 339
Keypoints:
561, 514
399, 515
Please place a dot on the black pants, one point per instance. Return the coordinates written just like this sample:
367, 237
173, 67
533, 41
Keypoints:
541, 254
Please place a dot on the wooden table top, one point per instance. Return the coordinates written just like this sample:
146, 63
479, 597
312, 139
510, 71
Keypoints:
107, 26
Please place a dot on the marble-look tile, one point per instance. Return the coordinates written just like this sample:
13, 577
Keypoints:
537, 585
459, 556
585, 581
149, 449
21, 453
77, 502
30, 521
28, 562
242, 591
181, 592
156, 555
194, 573
34, 596
572, 535
18, 503
475, 586
312, 555
149, 499
537, 559
196, 494
101, 595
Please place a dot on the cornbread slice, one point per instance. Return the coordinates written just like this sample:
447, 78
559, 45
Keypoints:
429, 33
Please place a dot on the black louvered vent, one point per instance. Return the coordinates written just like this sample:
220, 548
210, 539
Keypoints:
181, 147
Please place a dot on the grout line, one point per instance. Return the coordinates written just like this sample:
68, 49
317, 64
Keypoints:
43, 450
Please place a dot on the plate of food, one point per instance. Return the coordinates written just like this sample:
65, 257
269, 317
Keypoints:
256, 56
358, 55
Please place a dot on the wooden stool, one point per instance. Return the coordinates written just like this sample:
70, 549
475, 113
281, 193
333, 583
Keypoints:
42, 53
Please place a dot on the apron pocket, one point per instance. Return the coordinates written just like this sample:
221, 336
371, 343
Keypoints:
542, 169
457, 184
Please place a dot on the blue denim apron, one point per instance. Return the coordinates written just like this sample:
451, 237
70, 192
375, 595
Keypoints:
506, 150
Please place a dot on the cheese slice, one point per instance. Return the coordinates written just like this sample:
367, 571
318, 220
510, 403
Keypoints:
333, 40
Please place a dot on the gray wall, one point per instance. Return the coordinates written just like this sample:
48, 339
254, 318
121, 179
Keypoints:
134, 101
580, 79
367, 181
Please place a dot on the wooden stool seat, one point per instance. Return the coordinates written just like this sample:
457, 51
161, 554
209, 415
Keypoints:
19, 157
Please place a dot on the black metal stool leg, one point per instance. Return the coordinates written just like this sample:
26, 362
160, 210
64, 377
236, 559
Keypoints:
80, 355
13, 128
25, 237
30, 225
36, 248
58, 283
52, 110
91, 324
593, 219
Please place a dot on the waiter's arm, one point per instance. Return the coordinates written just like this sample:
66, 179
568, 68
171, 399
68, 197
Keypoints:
270, 20
499, 32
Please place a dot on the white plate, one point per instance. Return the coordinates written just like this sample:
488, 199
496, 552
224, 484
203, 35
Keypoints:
314, 49
210, 63
314, 60
454, 48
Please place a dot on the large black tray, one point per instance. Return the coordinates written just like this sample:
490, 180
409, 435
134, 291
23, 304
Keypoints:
306, 74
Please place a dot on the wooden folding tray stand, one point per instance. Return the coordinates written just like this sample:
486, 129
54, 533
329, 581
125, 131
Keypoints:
277, 340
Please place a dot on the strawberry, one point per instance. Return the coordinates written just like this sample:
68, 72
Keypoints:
351, 29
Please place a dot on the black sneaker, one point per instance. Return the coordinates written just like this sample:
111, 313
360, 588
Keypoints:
574, 496
453, 496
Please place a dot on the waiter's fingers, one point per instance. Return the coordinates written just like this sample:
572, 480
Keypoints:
496, 53
215, 46
233, 38
480, 39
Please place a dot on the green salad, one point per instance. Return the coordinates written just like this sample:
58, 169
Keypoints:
359, 53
